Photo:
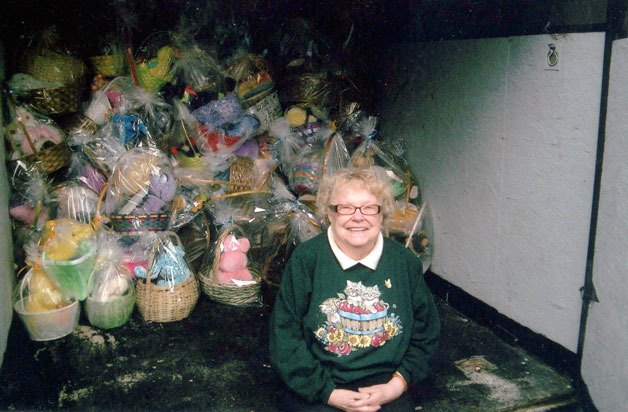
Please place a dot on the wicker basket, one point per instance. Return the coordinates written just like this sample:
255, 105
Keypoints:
266, 109
108, 65
140, 223
111, 314
232, 294
55, 100
48, 65
229, 293
48, 160
165, 304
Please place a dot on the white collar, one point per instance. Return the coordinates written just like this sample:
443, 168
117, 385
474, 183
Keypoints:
370, 261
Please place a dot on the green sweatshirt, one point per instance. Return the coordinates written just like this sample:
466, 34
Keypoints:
331, 326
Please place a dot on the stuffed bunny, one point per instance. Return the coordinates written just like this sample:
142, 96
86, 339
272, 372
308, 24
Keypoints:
233, 260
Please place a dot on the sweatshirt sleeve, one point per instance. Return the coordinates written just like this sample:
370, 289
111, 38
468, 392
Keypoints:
415, 366
289, 348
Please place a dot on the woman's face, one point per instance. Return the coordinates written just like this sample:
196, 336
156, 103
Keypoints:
355, 234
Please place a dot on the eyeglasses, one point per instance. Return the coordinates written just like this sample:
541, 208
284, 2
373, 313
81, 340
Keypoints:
367, 210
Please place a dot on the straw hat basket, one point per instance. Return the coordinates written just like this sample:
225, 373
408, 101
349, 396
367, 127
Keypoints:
166, 303
229, 293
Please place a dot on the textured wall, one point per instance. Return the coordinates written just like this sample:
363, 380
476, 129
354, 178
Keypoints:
605, 354
6, 252
504, 147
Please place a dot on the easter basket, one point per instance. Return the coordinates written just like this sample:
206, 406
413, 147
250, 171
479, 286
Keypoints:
49, 65
249, 215
266, 107
132, 223
134, 179
55, 100
111, 298
48, 158
113, 313
253, 79
165, 303
108, 65
313, 164
231, 293
243, 177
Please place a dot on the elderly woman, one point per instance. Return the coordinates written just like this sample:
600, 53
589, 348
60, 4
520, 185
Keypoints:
354, 323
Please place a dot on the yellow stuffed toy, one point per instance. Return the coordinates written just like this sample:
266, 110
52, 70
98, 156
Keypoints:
61, 238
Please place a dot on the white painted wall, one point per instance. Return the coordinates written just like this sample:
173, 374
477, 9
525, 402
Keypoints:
504, 150
7, 276
605, 353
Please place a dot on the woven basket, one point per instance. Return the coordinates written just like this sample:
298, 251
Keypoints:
140, 223
55, 100
111, 314
108, 65
165, 304
231, 294
147, 80
78, 124
266, 109
48, 160
307, 88
48, 65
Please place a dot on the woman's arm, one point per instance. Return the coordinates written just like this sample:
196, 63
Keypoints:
289, 347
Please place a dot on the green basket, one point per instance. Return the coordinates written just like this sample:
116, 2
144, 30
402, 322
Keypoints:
113, 313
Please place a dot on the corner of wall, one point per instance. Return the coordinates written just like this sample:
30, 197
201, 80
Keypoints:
6, 253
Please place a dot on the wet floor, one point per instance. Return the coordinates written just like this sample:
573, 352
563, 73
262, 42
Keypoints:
217, 359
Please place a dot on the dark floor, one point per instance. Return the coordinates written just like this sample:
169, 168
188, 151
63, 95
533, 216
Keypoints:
216, 359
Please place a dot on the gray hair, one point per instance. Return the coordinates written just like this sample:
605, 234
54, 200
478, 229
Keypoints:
374, 179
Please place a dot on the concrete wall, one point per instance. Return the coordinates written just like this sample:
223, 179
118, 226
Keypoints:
7, 276
605, 353
504, 148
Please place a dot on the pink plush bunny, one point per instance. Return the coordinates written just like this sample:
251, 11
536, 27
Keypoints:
233, 260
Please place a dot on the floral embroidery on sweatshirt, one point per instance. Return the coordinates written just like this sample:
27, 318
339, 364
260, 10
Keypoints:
356, 319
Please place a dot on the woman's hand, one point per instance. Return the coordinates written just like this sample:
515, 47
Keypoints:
351, 401
386, 392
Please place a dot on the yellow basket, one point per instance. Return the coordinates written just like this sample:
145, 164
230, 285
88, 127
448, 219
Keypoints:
108, 65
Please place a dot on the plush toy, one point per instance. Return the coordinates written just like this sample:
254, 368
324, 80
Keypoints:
62, 238
25, 213
43, 295
233, 260
161, 191
41, 134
